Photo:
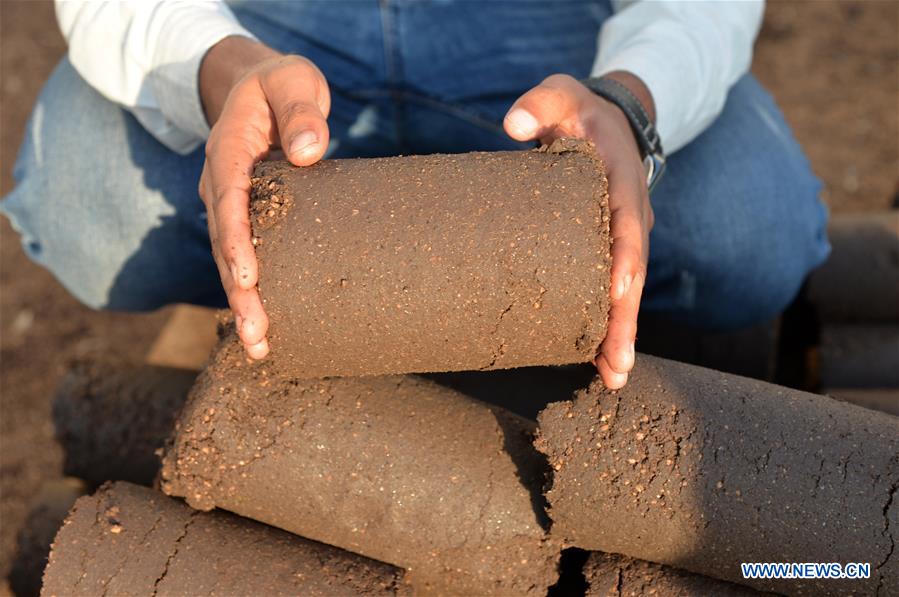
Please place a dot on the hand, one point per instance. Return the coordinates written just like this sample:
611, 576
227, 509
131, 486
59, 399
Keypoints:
256, 100
561, 107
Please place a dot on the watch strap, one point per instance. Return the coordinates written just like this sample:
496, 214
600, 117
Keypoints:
645, 132
613, 91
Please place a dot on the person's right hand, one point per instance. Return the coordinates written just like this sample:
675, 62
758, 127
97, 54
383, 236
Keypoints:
256, 100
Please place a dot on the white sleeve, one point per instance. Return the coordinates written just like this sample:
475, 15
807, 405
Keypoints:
688, 53
145, 55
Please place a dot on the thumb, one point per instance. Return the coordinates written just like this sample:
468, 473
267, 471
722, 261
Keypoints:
300, 100
538, 113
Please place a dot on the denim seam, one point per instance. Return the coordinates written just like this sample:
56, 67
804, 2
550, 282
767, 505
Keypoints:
392, 64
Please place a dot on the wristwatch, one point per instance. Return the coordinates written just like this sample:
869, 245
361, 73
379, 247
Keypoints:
644, 130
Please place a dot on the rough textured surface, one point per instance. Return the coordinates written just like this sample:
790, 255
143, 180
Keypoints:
112, 417
47, 513
129, 540
821, 61
399, 469
434, 263
860, 280
702, 470
612, 575
831, 66
860, 356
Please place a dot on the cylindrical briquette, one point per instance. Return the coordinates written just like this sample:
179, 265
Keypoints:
859, 356
128, 540
524, 391
111, 418
860, 280
398, 469
47, 513
609, 575
702, 471
434, 263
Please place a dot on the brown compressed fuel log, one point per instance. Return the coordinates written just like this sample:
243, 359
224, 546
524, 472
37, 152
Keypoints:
434, 263
620, 576
112, 417
703, 470
398, 469
859, 356
129, 540
860, 280
47, 513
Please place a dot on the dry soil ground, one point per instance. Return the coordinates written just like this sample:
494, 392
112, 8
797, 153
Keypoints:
833, 65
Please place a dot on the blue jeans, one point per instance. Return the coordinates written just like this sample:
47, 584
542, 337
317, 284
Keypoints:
116, 217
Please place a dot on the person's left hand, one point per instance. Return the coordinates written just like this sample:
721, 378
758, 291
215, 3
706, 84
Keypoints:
561, 106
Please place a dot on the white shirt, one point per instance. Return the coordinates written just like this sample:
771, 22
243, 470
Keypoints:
145, 55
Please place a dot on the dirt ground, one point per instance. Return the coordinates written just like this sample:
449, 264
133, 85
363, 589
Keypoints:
833, 66
834, 69
41, 327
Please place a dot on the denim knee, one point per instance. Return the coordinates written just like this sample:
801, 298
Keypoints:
739, 280
739, 223
753, 273
109, 211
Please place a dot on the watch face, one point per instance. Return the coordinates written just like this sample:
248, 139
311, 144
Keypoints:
655, 167
649, 166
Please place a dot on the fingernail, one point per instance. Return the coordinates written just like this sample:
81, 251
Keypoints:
522, 122
238, 323
258, 350
303, 143
618, 380
233, 267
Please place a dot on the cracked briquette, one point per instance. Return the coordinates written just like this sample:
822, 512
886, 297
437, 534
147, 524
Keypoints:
399, 469
47, 512
703, 470
890, 531
434, 263
111, 418
613, 575
127, 540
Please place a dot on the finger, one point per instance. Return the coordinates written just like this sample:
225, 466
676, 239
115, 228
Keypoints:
203, 186
617, 350
232, 215
258, 351
610, 378
551, 105
628, 230
231, 153
224, 271
300, 102
250, 319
